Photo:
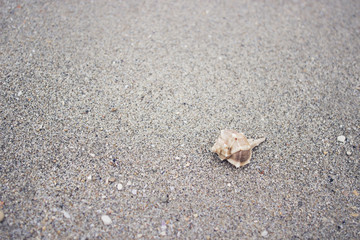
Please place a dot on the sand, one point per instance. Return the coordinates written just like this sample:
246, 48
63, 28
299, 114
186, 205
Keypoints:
100, 93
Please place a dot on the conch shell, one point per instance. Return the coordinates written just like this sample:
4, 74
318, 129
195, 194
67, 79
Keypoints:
235, 147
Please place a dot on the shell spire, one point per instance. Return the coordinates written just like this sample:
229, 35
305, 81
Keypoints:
235, 147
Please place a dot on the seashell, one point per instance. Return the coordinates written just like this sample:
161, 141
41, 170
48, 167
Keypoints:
235, 147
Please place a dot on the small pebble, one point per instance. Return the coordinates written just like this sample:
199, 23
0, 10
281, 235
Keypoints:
119, 186
106, 219
134, 191
89, 178
92, 155
164, 198
66, 214
163, 229
348, 153
341, 139
264, 233
128, 183
112, 179
2, 216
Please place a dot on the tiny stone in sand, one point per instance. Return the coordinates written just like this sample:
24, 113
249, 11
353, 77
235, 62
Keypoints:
264, 233
164, 198
106, 219
66, 214
2, 216
341, 139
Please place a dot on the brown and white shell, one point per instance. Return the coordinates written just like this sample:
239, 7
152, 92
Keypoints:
235, 147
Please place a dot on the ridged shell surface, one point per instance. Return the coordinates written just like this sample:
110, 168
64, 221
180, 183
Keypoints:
235, 147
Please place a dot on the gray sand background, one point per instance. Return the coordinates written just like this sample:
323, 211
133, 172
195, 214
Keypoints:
139, 91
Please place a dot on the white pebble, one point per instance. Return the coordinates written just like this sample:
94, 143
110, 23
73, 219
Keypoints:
348, 153
163, 229
66, 214
106, 219
128, 183
19, 93
134, 191
264, 233
119, 186
341, 139
89, 178
92, 155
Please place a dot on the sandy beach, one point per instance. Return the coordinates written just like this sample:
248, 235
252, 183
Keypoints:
109, 110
